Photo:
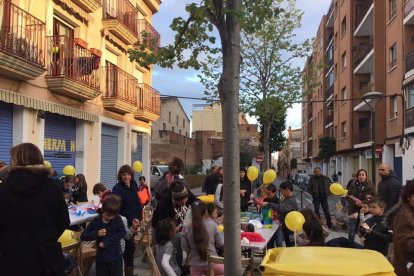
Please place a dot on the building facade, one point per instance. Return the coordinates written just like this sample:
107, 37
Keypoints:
291, 150
68, 86
366, 46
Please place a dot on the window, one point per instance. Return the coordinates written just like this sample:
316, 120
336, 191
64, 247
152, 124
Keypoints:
183, 123
176, 120
164, 126
169, 116
410, 96
393, 56
179, 131
343, 60
363, 124
393, 107
343, 26
172, 129
343, 95
392, 8
343, 129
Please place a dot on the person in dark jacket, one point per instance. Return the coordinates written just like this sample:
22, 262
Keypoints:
80, 189
375, 233
245, 190
210, 182
175, 167
283, 208
318, 187
389, 188
108, 230
33, 217
360, 190
131, 208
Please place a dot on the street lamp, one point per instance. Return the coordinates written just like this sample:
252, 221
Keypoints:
372, 96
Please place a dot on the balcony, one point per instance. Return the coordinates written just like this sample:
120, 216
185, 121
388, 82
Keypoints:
120, 18
329, 92
364, 19
409, 12
74, 71
409, 115
329, 118
22, 43
409, 62
363, 135
330, 16
120, 93
149, 105
364, 59
148, 35
89, 5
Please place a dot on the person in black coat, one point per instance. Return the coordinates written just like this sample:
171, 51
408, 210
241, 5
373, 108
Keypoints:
245, 190
34, 215
127, 190
80, 189
389, 188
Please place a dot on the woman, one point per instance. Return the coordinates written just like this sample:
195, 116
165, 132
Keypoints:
201, 238
402, 223
218, 195
245, 190
361, 189
131, 208
32, 218
80, 189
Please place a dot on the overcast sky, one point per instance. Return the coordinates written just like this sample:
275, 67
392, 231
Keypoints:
181, 82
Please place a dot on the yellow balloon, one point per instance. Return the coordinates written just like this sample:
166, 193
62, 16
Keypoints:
269, 176
206, 198
69, 170
252, 173
294, 221
220, 228
137, 165
337, 189
47, 164
68, 238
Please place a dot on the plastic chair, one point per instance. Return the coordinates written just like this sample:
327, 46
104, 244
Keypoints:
246, 262
76, 251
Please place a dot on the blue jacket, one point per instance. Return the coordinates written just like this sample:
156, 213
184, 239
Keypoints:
131, 207
115, 232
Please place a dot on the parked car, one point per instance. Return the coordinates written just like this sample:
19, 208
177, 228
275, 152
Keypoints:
156, 172
301, 180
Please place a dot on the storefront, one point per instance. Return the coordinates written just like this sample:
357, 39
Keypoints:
6, 131
109, 155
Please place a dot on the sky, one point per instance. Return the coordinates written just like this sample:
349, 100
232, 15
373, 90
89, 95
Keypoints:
185, 83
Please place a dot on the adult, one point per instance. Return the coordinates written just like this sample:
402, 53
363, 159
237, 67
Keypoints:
402, 223
361, 189
318, 187
33, 216
175, 167
131, 208
353, 178
211, 181
389, 188
80, 189
245, 190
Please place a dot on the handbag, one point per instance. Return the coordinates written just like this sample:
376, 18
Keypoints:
143, 196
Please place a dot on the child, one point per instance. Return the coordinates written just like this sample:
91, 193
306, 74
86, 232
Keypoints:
143, 191
376, 233
67, 188
283, 208
270, 196
80, 189
108, 230
165, 253
364, 213
314, 233
212, 211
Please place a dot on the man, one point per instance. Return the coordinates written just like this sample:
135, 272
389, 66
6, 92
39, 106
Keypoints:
318, 187
211, 182
389, 187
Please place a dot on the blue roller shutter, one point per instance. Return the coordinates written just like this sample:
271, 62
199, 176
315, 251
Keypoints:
109, 155
6, 131
136, 147
60, 141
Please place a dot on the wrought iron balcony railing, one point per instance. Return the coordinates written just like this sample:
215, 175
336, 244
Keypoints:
123, 11
409, 61
120, 85
22, 34
149, 99
148, 35
363, 135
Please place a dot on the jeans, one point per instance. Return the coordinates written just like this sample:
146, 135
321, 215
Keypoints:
353, 228
323, 201
277, 237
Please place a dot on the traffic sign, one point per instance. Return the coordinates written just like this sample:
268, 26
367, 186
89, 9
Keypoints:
259, 158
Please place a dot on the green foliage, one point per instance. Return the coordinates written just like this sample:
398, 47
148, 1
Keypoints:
293, 163
193, 169
276, 139
327, 147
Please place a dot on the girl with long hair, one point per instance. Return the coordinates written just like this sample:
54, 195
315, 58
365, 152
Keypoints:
201, 237
314, 232
80, 189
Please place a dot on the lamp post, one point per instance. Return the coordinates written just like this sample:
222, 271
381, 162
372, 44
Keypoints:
372, 96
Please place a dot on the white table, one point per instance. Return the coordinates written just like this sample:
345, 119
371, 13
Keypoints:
76, 220
267, 234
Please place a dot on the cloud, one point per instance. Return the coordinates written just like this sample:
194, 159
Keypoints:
192, 78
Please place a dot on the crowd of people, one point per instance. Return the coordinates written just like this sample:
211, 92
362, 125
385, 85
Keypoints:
185, 229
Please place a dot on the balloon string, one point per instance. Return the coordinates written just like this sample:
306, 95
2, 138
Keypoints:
294, 236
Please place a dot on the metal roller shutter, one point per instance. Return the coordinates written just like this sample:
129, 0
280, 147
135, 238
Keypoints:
60, 141
6, 131
136, 149
109, 155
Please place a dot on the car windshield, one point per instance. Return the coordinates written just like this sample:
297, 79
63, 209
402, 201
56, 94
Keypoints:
163, 169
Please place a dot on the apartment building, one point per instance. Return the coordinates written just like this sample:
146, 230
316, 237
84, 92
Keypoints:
67, 84
291, 150
367, 46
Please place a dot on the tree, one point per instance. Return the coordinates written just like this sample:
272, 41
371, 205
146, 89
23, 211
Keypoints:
327, 147
194, 38
269, 52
